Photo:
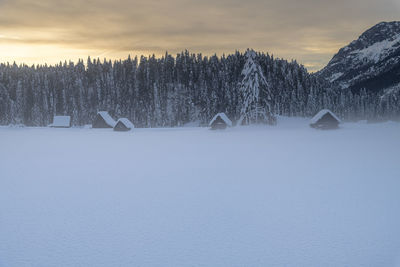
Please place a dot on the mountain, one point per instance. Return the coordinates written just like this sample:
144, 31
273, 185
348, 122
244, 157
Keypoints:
371, 62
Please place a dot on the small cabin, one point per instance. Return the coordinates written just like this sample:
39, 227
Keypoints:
220, 122
61, 122
103, 120
123, 125
325, 120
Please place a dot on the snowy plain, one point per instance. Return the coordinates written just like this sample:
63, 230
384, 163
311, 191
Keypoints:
286, 195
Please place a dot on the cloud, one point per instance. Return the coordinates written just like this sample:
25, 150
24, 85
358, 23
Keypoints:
308, 30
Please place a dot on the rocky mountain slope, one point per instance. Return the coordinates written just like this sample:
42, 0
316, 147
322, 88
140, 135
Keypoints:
371, 62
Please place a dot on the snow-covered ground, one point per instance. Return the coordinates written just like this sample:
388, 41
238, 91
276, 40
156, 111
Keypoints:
252, 196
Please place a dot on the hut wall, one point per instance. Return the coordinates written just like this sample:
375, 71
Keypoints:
120, 127
326, 122
218, 124
99, 122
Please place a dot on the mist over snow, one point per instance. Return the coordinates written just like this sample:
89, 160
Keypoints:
286, 195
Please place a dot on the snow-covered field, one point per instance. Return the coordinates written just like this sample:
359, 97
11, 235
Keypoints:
251, 196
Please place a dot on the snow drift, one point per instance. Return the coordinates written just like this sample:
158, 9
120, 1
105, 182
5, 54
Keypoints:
248, 196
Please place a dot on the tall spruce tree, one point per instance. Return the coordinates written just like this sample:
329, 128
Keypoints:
256, 94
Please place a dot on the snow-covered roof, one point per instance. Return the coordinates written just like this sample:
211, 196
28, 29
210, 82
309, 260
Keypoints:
126, 122
322, 113
107, 118
61, 121
223, 117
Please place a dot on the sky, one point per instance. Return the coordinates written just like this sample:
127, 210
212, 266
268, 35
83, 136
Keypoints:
309, 31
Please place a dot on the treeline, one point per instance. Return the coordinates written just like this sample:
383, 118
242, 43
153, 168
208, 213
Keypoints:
171, 91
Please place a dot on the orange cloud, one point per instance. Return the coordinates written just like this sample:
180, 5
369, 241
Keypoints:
310, 31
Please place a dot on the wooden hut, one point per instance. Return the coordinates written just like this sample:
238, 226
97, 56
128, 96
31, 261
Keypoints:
61, 122
325, 119
220, 122
123, 125
103, 120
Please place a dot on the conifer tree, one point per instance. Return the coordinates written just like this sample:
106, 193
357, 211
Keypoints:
256, 94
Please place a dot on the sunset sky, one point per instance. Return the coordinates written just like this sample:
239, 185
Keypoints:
310, 31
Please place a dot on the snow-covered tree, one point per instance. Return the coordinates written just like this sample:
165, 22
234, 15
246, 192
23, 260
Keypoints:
172, 91
256, 94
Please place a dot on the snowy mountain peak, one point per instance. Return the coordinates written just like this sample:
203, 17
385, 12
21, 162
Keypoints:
380, 32
371, 62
